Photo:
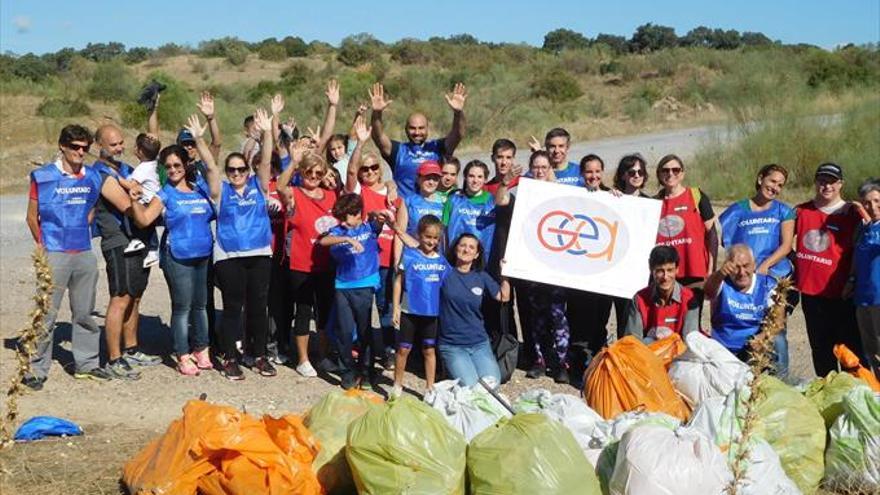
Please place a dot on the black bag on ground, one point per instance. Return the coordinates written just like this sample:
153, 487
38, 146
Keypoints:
506, 346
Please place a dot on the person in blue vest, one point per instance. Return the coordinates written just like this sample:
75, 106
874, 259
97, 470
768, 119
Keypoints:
60, 207
426, 202
766, 225
739, 298
557, 143
405, 158
864, 279
186, 248
354, 245
472, 209
243, 252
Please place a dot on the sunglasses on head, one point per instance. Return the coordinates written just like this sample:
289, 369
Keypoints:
671, 170
78, 147
635, 172
236, 170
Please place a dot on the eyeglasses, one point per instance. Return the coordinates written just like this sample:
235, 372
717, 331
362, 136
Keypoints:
78, 147
671, 170
236, 170
371, 168
636, 172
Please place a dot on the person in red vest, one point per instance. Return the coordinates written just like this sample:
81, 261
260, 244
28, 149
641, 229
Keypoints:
687, 223
665, 306
825, 229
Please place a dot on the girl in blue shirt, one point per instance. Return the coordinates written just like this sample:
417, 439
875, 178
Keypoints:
865, 278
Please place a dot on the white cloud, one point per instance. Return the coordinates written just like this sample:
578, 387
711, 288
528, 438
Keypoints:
22, 24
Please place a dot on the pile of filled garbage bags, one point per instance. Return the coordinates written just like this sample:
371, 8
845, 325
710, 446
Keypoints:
670, 418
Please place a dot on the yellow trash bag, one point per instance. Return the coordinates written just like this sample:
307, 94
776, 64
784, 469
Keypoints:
628, 376
219, 450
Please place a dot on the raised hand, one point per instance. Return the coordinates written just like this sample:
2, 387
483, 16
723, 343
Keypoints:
362, 109
457, 98
514, 172
377, 97
361, 129
289, 126
206, 104
332, 92
262, 120
314, 135
298, 149
276, 104
534, 144
195, 127
329, 181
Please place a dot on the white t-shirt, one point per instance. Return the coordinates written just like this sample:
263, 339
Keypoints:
147, 175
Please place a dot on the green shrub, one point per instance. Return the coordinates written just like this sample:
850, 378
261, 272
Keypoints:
273, 53
558, 87
31, 67
237, 56
636, 109
296, 74
358, 49
62, 108
112, 81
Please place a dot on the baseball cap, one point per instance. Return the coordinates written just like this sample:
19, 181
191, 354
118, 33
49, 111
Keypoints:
830, 169
183, 136
429, 167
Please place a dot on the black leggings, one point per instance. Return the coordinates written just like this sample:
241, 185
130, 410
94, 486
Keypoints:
244, 283
830, 321
312, 295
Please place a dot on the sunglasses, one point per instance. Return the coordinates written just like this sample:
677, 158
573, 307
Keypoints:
371, 168
172, 166
671, 171
188, 144
236, 170
636, 172
314, 174
77, 147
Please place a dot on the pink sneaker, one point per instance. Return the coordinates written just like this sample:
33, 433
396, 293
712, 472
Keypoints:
186, 365
203, 359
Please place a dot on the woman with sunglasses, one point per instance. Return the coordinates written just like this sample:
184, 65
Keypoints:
186, 247
687, 223
631, 175
310, 278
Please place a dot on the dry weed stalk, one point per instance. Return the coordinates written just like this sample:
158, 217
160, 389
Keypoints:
760, 360
27, 341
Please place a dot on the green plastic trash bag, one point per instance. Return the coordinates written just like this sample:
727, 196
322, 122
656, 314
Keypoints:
852, 462
406, 447
827, 393
792, 425
328, 421
528, 454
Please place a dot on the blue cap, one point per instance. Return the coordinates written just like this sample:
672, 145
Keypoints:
184, 135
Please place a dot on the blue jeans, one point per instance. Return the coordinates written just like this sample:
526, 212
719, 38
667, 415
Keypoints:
780, 354
353, 313
469, 363
188, 284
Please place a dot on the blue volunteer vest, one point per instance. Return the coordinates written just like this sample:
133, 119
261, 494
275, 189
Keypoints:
736, 316
406, 164
124, 172
423, 277
417, 207
64, 204
760, 230
188, 221
243, 220
466, 217
351, 266
867, 260
570, 175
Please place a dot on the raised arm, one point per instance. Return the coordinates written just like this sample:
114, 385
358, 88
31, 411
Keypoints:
206, 106
402, 223
362, 133
212, 174
456, 101
359, 114
297, 150
379, 104
264, 169
153, 119
502, 195
276, 104
330, 117
713, 281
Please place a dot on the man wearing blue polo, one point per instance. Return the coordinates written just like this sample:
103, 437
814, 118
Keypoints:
405, 158
557, 144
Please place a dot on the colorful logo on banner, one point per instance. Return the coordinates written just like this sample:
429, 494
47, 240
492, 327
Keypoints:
577, 235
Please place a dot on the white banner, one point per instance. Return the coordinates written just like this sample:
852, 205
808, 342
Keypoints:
566, 236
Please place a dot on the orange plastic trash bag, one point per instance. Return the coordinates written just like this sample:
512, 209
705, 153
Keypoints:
668, 348
627, 376
216, 450
849, 362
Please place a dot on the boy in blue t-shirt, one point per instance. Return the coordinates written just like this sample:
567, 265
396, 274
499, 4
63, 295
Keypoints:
355, 248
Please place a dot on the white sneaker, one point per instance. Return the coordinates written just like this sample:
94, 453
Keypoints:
151, 259
307, 370
134, 246
430, 395
279, 359
397, 391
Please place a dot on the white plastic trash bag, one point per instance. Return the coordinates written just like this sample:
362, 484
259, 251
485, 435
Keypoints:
567, 409
658, 461
852, 461
469, 410
706, 370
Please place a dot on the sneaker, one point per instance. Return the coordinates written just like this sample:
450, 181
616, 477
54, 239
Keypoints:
248, 360
537, 371
134, 246
279, 359
561, 376
230, 370
138, 358
186, 365
389, 362
98, 374
264, 367
430, 395
203, 359
348, 381
397, 391
34, 383
151, 259
327, 365
364, 383
122, 370
306, 369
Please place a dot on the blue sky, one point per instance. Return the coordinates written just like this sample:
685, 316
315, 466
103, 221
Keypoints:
48, 25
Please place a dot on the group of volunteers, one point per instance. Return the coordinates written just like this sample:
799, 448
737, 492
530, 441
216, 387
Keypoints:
308, 229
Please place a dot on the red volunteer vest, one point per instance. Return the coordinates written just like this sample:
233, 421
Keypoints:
657, 317
682, 228
310, 218
824, 249
374, 201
